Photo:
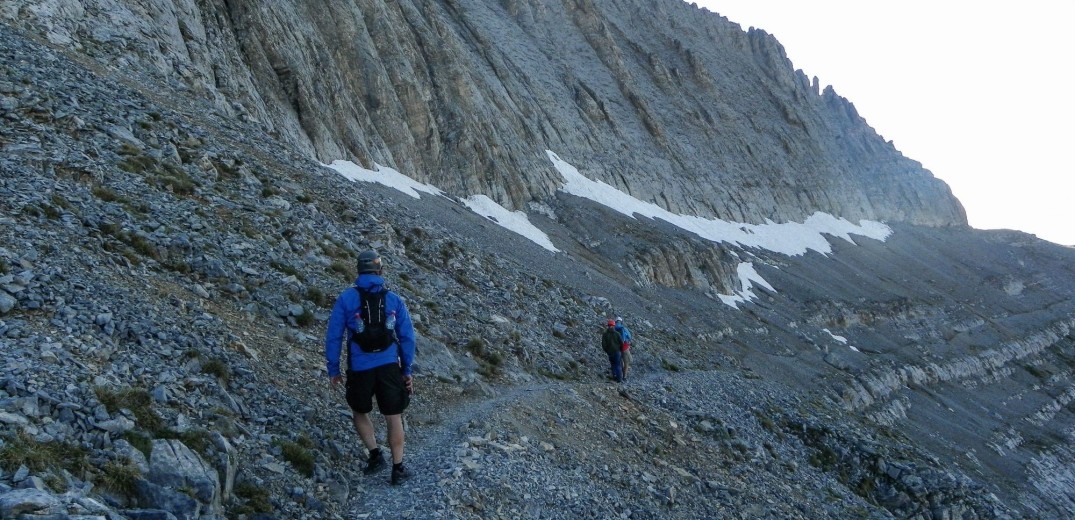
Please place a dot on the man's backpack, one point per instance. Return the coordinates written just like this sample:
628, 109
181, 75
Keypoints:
377, 333
610, 341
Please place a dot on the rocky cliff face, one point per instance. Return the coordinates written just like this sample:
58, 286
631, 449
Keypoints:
671, 104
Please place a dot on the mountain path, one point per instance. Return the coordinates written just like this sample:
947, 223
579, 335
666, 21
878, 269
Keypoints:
435, 436
439, 444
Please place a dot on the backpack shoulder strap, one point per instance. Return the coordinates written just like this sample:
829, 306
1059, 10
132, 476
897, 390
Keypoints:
371, 305
362, 295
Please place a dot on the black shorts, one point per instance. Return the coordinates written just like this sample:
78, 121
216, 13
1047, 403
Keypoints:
385, 382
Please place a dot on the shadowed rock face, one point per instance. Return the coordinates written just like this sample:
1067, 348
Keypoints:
672, 104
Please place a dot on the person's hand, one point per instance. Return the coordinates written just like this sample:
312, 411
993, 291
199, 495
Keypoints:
408, 382
334, 380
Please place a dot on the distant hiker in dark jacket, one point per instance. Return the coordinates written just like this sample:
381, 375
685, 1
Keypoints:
611, 343
625, 348
386, 374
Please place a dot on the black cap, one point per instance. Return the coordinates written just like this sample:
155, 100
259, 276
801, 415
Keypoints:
369, 262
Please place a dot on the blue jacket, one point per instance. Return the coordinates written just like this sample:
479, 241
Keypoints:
342, 324
624, 333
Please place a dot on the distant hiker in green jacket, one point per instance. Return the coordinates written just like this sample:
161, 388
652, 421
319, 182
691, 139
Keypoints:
611, 343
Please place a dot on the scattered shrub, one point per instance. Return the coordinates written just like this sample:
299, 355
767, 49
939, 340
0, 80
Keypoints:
489, 361
465, 281
335, 249
136, 245
1036, 371
823, 458
305, 319
175, 179
30, 210
866, 487
143, 246
552, 375
250, 231
129, 149
217, 367
107, 195
766, 421
476, 347
138, 164
316, 295
255, 498
229, 168
414, 237
669, 366
50, 211
140, 441
60, 202
286, 269
299, 455
119, 478
220, 410
136, 400
305, 441
195, 439
157, 173
23, 450
342, 268
178, 266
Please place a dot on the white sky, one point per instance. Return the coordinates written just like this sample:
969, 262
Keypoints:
789, 238
979, 92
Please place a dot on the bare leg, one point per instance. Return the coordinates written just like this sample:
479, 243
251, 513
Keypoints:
395, 436
364, 427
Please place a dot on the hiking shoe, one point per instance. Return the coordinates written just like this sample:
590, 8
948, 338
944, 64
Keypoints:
400, 475
374, 464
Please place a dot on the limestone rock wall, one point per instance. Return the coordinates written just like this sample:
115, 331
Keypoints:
670, 103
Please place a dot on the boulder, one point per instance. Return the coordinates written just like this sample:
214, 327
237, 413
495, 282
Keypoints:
174, 466
227, 463
164, 498
17, 502
7, 302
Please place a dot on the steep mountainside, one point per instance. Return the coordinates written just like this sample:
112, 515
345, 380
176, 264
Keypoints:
170, 250
671, 104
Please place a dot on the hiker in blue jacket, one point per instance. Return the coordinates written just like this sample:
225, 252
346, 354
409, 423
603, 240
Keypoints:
611, 342
367, 311
625, 349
